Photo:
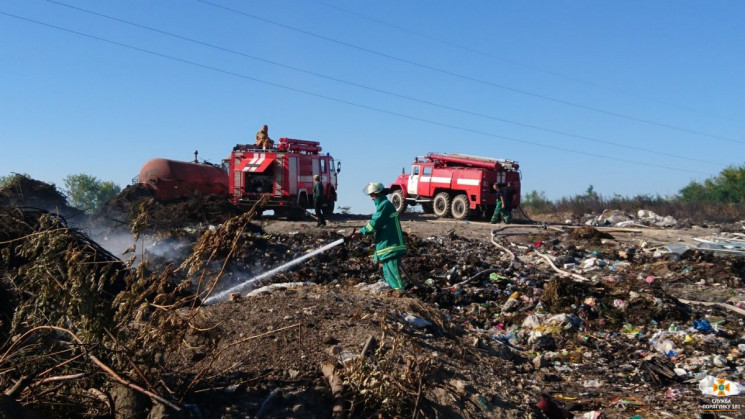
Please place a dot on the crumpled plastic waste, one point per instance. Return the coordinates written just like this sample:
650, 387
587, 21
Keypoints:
703, 325
417, 322
660, 341
495, 277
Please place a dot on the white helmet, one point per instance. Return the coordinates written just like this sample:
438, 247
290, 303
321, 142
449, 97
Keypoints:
373, 188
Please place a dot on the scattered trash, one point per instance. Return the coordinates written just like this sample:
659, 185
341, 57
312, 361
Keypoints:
618, 324
417, 322
703, 325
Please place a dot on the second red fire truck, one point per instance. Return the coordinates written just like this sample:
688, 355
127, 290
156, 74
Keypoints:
454, 185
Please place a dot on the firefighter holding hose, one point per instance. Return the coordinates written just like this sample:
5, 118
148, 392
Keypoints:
389, 239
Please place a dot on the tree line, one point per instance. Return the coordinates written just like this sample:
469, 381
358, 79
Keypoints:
721, 197
84, 192
726, 190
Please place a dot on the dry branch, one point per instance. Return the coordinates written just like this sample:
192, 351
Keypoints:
329, 372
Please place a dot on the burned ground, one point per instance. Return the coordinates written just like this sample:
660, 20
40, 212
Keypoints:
620, 324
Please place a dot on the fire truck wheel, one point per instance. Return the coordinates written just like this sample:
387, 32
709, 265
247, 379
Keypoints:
460, 207
398, 201
441, 204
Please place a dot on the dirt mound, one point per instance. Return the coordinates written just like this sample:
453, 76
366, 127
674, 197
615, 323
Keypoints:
590, 234
22, 191
138, 199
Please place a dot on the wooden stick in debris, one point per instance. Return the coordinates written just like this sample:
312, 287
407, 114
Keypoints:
329, 372
723, 305
133, 386
129, 359
101, 365
61, 378
19, 386
418, 398
368, 344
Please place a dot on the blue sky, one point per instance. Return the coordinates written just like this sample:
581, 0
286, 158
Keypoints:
632, 97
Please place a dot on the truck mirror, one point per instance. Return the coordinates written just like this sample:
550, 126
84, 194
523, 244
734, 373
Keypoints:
338, 167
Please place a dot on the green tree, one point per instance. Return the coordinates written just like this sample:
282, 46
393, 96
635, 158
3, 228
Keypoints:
591, 194
87, 193
727, 187
537, 202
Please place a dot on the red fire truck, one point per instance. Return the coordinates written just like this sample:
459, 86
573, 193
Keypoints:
456, 185
284, 174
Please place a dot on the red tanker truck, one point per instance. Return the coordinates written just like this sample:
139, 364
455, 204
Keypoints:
172, 179
283, 174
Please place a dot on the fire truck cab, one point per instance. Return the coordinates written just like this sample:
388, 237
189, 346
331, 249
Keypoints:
454, 185
284, 174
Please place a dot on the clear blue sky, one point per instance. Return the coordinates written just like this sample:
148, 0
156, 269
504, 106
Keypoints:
632, 97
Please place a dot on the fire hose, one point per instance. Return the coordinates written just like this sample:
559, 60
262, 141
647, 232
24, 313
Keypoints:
220, 296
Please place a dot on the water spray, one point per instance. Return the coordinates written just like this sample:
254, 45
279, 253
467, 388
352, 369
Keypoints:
220, 296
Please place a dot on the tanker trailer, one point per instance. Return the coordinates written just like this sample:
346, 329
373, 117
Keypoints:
172, 179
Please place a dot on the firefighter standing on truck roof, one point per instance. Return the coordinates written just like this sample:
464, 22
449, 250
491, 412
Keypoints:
262, 138
389, 239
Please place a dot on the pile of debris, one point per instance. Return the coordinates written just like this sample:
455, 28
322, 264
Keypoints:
573, 318
22, 191
526, 321
136, 199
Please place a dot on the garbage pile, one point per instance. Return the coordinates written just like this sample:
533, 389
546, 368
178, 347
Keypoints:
528, 321
606, 332
22, 191
135, 199
641, 218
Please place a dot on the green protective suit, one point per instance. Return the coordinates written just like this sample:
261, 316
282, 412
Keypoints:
389, 240
319, 202
497, 215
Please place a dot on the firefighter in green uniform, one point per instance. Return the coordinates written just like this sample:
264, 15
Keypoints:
389, 239
497, 215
